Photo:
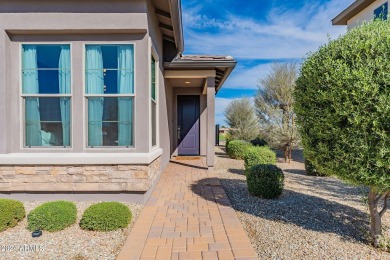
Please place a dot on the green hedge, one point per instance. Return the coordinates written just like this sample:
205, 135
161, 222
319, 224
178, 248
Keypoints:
311, 169
52, 216
106, 216
11, 212
259, 155
236, 149
265, 180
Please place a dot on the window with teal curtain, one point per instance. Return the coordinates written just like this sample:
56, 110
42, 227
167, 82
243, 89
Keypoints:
46, 90
110, 95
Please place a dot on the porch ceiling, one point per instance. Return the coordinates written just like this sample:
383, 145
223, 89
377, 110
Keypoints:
193, 82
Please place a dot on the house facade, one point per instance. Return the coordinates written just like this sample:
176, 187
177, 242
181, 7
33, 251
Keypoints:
96, 96
361, 11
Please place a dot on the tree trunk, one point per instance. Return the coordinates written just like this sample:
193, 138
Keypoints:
290, 152
374, 198
285, 150
376, 221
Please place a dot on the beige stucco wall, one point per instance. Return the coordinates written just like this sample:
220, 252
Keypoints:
365, 15
79, 22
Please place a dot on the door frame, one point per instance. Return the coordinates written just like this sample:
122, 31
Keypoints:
178, 96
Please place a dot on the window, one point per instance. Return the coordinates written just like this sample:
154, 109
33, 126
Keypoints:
153, 101
46, 92
381, 12
109, 90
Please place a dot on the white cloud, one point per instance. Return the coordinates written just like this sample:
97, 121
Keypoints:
284, 34
220, 107
247, 78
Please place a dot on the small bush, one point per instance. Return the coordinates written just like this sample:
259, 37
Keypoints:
52, 216
228, 139
106, 216
237, 148
259, 155
311, 169
11, 212
265, 180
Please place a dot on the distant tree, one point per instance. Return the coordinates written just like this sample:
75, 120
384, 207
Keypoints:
274, 104
343, 111
240, 116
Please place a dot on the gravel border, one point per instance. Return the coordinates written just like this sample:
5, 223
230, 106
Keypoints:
315, 218
70, 243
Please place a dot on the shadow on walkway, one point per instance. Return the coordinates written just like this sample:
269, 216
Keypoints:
309, 212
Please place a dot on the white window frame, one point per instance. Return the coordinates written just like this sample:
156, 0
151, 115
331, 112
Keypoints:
23, 97
86, 96
153, 53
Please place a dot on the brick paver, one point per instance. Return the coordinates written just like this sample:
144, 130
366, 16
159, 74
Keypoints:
188, 216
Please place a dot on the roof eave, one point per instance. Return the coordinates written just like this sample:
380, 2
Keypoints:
229, 65
351, 11
177, 24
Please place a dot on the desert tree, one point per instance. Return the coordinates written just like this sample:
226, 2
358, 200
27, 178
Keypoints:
274, 104
342, 102
240, 116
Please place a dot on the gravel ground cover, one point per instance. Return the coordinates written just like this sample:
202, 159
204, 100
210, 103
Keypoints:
315, 218
71, 243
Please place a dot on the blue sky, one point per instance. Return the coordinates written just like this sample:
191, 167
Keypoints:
257, 33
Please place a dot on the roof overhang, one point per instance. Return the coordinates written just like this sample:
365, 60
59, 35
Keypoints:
169, 15
351, 11
222, 66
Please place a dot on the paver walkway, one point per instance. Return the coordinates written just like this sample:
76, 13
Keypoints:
188, 216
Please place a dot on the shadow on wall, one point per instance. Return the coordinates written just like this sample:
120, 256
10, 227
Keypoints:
306, 211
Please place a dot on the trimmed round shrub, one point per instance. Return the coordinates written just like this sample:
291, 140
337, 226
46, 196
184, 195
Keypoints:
11, 212
106, 216
265, 181
236, 149
312, 170
259, 155
52, 216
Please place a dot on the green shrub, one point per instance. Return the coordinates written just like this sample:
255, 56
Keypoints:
11, 212
342, 99
259, 155
265, 180
237, 148
312, 170
52, 216
106, 216
228, 139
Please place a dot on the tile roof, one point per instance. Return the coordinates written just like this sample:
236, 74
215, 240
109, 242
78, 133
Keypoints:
205, 58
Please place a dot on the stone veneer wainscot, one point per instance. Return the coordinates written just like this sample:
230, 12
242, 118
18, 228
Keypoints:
79, 178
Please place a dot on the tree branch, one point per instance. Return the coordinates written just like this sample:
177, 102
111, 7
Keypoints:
385, 204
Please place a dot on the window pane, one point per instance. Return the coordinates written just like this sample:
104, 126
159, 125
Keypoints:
154, 124
153, 79
46, 69
109, 69
110, 121
381, 12
47, 121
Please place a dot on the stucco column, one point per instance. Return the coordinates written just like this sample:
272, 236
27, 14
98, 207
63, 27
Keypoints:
210, 122
3, 137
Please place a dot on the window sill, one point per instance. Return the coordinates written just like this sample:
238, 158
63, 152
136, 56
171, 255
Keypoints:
79, 158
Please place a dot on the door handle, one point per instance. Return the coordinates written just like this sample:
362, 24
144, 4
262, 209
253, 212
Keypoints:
178, 133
